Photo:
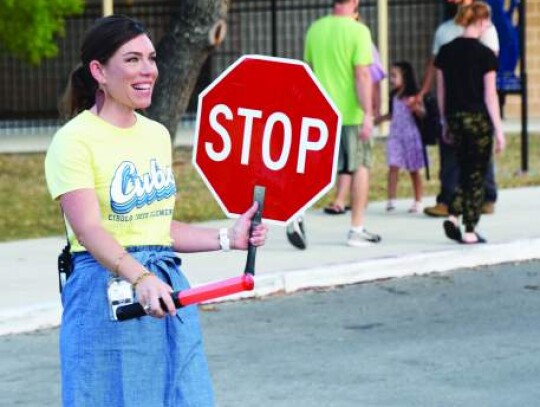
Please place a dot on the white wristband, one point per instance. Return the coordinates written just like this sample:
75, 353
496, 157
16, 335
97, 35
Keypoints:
224, 241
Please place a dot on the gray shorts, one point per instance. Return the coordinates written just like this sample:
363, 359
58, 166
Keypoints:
353, 152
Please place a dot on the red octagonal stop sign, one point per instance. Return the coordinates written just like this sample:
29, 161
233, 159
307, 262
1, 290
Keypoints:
267, 122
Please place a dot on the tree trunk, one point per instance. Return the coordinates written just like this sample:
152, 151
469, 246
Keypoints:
197, 28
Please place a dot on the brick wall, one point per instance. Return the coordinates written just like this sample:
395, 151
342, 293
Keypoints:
513, 103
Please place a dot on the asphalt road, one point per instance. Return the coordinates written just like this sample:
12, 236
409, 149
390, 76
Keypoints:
467, 338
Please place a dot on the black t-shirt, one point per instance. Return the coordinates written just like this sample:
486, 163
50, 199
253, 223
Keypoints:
464, 62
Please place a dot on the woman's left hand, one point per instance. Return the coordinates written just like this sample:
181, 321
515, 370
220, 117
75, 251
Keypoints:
239, 233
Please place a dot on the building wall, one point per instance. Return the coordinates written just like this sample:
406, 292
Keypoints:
513, 102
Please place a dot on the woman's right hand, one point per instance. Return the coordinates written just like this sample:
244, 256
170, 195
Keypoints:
152, 292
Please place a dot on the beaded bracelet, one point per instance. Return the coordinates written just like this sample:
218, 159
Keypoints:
141, 277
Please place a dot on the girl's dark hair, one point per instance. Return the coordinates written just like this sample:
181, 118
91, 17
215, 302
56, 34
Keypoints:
410, 87
100, 43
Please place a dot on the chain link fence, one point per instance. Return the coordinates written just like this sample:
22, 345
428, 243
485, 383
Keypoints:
29, 94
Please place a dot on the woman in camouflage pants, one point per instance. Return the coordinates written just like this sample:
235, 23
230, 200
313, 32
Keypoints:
466, 92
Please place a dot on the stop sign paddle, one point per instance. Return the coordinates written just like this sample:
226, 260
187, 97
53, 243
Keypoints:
267, 122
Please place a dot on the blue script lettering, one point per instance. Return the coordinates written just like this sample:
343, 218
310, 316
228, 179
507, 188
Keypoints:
129, 190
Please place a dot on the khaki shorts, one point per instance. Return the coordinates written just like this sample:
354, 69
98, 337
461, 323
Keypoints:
353, 152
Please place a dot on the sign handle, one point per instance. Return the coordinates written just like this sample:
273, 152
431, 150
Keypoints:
191, 296
258, 196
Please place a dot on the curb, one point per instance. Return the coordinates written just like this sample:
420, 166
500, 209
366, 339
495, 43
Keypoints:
48, 315
31, 318
391, 267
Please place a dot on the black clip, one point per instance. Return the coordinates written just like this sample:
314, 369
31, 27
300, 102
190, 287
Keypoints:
65, 266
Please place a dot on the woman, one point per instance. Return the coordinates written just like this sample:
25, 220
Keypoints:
110, 168
467, 96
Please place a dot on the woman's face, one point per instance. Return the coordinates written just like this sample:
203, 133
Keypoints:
130, 74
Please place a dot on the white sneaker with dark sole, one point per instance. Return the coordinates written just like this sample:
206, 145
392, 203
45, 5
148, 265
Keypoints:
363, 238
296, 234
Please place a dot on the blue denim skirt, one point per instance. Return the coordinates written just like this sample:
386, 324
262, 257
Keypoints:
140, 362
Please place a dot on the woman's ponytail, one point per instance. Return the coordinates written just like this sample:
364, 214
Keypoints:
472, 13
80, 93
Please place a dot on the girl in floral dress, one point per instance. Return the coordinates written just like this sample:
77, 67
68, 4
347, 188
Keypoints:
404, 145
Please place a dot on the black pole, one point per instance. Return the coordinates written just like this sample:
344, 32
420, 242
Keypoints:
258, 196
524, 100
274, 28
426, 160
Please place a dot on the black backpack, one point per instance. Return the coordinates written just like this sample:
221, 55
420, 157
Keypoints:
430, 124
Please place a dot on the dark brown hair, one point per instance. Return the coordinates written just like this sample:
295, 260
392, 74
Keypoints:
410, 86
100, 43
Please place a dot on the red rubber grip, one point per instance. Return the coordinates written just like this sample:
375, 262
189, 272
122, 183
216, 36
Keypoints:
215, 290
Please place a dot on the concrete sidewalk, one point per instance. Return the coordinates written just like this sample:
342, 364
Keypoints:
411, 245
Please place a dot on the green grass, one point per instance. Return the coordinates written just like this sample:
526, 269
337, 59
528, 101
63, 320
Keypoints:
28, 211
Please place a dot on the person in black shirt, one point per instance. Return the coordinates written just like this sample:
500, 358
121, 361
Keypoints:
449, 168
467, 96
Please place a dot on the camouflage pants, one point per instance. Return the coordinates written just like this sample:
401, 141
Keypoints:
473, 141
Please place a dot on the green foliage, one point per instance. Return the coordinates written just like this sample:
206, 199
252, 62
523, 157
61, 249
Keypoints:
29, 27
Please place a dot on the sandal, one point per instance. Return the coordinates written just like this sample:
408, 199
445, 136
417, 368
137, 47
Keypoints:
479, 239
452, 231
334, 210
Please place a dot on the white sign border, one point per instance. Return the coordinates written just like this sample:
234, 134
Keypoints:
317, 196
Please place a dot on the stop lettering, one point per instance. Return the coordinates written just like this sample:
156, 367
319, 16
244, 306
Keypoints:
275, 119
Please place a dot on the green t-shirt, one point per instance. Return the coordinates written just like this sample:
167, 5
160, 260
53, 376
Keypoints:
130, 170
334, 47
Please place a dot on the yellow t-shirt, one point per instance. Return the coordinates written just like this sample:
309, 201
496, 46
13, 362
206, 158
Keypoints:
130, 169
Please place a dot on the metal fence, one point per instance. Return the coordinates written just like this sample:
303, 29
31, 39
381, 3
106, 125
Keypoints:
29, 94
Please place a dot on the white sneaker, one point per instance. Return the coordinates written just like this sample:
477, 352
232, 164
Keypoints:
363, 238
296, 234
416, 207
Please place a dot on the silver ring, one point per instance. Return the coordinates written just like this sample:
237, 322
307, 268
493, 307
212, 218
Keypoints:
146, 308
